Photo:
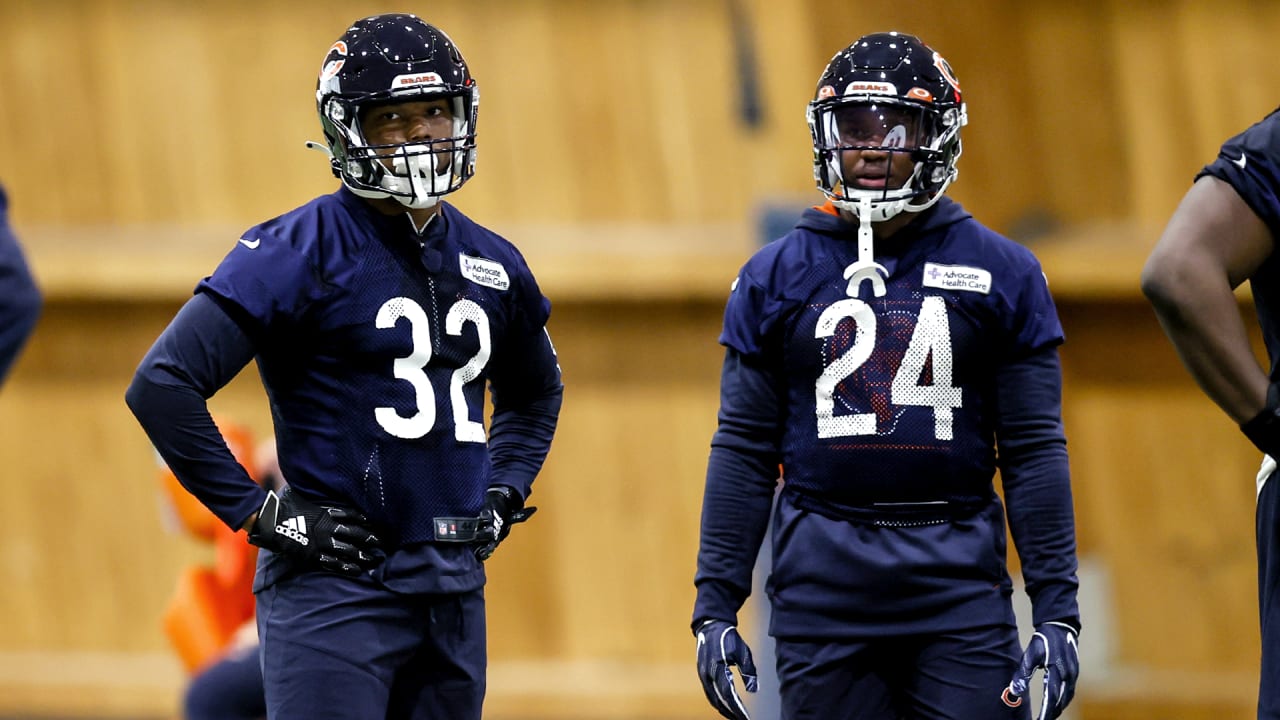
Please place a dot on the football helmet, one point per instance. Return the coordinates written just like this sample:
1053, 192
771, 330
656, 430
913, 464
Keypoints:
891, 93
388, 59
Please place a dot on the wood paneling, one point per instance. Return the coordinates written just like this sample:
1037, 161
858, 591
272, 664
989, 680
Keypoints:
155, 111
138, 137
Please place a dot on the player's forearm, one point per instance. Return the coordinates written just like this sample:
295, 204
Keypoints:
520, 438
742, 474
735, 514
1036, 476
1212, 244
1206, 329
1038, 499
1042, 522
179, 425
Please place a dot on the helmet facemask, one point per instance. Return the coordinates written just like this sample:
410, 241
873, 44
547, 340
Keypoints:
929, 136
416, 174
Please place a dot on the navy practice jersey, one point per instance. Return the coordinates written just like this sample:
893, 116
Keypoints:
888, 399
891, 405
375, 353
1250, 163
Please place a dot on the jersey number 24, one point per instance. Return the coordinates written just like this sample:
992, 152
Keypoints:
932, 336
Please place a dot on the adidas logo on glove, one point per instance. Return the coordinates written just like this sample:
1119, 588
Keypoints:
295, 528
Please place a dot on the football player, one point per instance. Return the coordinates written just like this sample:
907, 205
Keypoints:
376, 315
1222, 234
20, 299
890, 353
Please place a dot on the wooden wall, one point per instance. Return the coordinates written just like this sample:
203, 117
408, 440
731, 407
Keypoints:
138, 137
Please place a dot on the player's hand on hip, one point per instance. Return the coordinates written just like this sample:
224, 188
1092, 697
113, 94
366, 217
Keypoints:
1053, 648
503, 507
318, 536
720, 647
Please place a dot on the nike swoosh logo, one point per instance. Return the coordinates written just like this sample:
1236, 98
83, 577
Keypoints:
251, 245
1241, 162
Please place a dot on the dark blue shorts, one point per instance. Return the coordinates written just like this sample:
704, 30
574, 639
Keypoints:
338, 647
950, 676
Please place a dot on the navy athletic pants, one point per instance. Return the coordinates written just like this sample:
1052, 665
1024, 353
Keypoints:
337, 647
950, 676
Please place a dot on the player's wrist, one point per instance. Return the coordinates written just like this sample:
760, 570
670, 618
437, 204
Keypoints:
1263, 430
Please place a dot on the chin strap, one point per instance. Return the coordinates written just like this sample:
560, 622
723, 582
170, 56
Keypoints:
865, 267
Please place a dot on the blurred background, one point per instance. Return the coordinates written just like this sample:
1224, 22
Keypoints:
637, 151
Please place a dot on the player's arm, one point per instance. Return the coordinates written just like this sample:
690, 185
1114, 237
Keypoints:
742, 473
20, 299
1213, 242
527, 396
200, 351
1037, 490
1037, 482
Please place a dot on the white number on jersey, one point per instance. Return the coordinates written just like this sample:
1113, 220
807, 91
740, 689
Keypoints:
411, 369
931, 340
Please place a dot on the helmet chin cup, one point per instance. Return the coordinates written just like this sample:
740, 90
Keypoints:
416, 179
880, 210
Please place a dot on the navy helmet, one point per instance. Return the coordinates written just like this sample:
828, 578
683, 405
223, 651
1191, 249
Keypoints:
892, 93
387, 59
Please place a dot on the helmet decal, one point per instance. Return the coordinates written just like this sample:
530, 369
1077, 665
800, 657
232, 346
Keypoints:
331, 67
862, 87
405, 81
896, 137
945, 68
920, 93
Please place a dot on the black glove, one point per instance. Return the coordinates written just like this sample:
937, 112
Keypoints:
1054, 649
720, 647
316, 536
503, 507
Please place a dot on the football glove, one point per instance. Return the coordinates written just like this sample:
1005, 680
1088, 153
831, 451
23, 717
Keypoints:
720, 647
1053, 648
315, 536
503, 507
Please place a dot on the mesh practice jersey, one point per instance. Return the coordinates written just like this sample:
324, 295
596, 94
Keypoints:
375, 348
888, 399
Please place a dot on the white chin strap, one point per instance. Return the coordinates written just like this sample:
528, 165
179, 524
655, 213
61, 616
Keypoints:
865, 267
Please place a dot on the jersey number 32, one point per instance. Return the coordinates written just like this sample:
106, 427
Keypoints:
412, 369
